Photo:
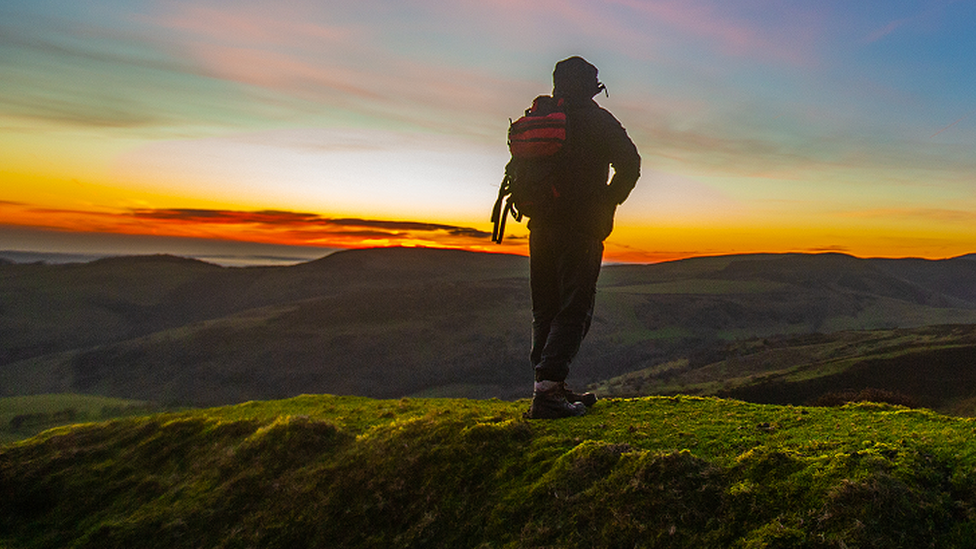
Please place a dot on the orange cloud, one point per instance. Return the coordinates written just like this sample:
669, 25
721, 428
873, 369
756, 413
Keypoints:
262, 226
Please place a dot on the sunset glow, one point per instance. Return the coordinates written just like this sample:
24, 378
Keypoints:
763, 126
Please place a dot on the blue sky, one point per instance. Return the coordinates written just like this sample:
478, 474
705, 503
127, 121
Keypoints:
763, 126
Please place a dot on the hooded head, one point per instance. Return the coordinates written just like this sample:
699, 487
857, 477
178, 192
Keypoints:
575, 78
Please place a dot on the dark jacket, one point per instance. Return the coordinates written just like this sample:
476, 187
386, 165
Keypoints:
595, 142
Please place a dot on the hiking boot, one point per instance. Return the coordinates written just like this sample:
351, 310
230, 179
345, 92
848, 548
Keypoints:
588, 399
549, 402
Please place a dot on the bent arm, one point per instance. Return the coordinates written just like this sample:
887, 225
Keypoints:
626, 166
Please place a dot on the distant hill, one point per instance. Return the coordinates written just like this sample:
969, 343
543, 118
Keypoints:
394, 322
16, 256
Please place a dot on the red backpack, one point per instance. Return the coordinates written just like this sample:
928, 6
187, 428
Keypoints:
535, 141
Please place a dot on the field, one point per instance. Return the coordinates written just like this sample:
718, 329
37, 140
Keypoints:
25, 416
317, 471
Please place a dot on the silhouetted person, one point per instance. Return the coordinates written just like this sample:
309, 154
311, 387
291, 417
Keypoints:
566, 242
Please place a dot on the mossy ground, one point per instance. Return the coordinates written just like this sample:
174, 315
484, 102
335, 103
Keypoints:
324, 471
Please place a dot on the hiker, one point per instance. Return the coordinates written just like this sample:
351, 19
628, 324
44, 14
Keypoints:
566, 240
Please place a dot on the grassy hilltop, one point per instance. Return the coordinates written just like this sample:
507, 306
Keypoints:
324, 471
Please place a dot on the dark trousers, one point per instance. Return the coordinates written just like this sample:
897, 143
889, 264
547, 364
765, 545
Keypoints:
564, 269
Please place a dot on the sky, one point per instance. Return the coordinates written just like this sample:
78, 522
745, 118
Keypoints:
763, 126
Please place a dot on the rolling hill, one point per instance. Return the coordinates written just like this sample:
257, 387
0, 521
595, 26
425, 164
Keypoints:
932, 367
387, 323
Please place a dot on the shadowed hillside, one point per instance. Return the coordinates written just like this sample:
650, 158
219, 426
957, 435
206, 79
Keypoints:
51, 308
394, 322
933, 366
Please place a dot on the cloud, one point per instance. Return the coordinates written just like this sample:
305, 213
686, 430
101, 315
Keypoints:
260, 226
410, 226
885, 30
927, 18
622, 253
917, 215
780, 33
797, 148
953, 124
43, 57
829, 249
307, 225
273, 24
99, 112
191, 215
278, 218
73, 73
337, 59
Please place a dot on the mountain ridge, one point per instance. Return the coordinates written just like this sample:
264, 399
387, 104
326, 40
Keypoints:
404, 321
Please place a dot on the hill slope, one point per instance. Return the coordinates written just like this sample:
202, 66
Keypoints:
394, 322
321, 471
933, 366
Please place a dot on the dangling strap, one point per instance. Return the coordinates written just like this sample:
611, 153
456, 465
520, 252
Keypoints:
498, 213
503, 207
509, 208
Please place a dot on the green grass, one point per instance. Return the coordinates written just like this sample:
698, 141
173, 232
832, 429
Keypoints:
886, 312
25, 416
323, 471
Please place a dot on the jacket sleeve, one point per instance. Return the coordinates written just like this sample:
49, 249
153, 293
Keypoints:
625, 161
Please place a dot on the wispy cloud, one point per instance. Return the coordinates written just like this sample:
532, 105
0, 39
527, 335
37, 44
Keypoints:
193, 215
41, 77
829, 249
304, 51
275, 25
716, 23
269, 226
926, 17
963, 117
308, 221
927, 216
884, 31
90, 74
